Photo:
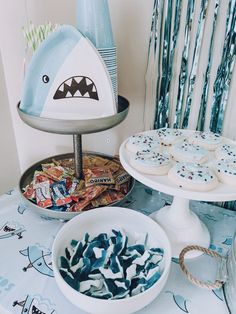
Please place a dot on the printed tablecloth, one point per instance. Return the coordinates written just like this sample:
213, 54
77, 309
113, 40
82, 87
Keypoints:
27, 284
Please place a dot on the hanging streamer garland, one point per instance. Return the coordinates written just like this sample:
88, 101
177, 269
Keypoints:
162, 111
152, 68
154, 26
223, 80
161, 53
161, 108
184, 64
204, 97
224, 72
196, 55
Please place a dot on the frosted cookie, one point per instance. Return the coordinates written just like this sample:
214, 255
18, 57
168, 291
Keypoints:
226, 171
226, 151
207, 140
168, 136
150, 162
194, 177
142, 142
185, 152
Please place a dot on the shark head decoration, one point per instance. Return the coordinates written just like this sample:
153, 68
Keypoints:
39, 259
67, 79
35, 304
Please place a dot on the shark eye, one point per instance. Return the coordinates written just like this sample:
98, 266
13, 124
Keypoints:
45, 79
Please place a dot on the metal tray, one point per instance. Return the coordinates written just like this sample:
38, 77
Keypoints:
27, 177
60, 126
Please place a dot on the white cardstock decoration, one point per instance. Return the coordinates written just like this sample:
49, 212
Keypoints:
82, 87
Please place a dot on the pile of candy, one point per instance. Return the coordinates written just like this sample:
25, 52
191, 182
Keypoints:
108, 267
55, 186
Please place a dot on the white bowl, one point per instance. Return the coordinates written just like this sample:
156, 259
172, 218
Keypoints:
103, 220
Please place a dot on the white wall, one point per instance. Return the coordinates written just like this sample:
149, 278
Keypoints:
131, 21
9, 164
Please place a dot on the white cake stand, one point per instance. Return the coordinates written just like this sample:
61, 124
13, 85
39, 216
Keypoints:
182, 226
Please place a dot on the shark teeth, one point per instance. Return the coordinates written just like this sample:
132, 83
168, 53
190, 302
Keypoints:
35, 310
88, 81
77, 87
68, 82
77, 94
86, 94
68, 94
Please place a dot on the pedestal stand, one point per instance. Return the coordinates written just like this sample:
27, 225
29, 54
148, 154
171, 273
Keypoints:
182, 226
76, 128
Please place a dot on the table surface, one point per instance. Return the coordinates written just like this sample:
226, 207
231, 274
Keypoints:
26, 277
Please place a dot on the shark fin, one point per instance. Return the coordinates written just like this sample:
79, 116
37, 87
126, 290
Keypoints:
24, 252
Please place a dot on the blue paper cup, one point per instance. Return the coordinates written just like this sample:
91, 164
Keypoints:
93, 20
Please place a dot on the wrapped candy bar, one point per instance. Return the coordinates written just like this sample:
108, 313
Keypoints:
55, 173
68, 181
47, 166
89, 192
74, 184
43, 196
55, 186
81, 206
78, 207
29, 192
65, 163
68, 165
112, 166
85, 196
39, 176
59, 194
121, 176
124, 188
76, 187
107, 198
92, 161
98, 176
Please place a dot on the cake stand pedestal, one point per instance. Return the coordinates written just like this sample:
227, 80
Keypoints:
182, 226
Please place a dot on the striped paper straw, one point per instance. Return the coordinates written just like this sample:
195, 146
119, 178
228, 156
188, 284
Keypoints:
34, 35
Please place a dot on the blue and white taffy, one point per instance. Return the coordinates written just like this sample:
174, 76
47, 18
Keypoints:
67, 79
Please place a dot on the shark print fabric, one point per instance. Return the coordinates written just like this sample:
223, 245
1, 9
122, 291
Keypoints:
39, 258
35, 305
11, 229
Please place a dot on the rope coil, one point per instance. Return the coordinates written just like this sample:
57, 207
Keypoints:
211, 286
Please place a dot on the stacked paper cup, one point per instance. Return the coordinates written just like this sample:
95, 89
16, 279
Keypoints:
93, 20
